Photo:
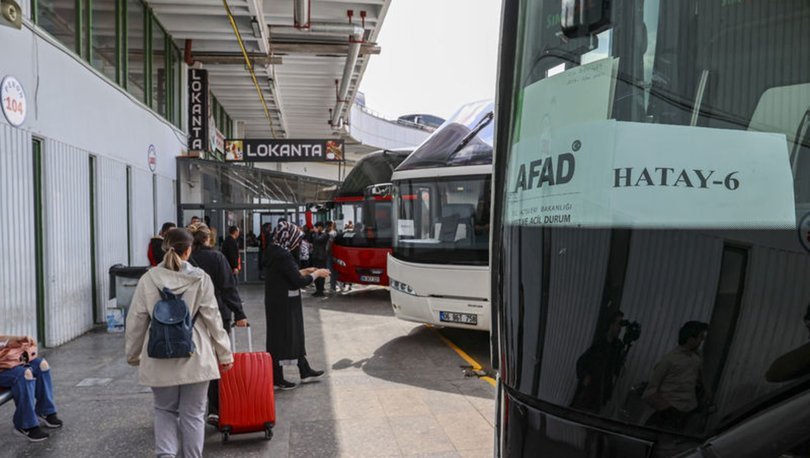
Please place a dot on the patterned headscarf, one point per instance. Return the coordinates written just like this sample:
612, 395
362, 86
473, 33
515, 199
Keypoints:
287, 235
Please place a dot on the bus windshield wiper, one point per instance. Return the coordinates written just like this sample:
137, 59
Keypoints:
473, 133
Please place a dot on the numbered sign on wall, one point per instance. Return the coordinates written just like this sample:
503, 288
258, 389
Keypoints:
13, 100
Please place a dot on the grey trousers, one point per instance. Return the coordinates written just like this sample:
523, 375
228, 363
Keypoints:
180, 419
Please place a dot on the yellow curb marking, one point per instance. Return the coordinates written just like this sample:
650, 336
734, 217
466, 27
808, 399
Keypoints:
465, 357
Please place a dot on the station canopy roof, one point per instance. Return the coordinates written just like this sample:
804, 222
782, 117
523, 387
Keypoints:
213, 184
296, 68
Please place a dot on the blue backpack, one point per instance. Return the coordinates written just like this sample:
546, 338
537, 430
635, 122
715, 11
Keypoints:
172, 330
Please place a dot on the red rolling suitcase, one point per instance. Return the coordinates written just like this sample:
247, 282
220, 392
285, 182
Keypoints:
246, 401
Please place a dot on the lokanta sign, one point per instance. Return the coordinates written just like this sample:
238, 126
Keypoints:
198, 110
271, 150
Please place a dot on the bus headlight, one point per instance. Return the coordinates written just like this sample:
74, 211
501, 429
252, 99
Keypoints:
340, 262
402, 287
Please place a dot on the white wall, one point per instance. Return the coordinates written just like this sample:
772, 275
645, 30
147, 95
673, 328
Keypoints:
66, 202
78, 113
77, 106
166, 209
18, 300
142, 216
111, 223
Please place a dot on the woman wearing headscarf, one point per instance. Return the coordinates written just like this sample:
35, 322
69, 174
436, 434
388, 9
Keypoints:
282, 302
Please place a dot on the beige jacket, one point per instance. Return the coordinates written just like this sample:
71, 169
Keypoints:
210, 338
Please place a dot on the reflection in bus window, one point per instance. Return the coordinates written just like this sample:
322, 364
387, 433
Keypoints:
671, 93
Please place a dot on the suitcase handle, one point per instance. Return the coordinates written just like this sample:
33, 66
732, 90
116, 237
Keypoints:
233, 338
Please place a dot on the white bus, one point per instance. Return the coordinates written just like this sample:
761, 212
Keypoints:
439, 269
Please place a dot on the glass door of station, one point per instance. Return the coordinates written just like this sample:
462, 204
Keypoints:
250, 222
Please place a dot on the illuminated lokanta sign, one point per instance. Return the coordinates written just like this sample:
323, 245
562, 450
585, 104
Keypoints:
271, 150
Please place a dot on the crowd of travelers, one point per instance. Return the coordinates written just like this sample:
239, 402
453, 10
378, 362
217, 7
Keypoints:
188, 269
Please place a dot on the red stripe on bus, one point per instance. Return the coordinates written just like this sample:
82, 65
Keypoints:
349, 199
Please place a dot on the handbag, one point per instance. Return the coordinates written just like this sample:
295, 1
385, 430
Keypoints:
16, 354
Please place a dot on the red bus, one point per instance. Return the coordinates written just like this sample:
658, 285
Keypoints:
363, 219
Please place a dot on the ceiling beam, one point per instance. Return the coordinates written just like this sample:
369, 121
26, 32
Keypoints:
234, 58
281, 47
259, 24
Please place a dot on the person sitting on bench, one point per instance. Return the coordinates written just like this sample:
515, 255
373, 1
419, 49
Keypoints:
29, 379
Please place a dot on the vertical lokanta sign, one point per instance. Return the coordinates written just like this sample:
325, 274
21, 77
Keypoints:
197, 109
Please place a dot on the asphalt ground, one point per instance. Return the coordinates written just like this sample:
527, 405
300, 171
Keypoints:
392, 388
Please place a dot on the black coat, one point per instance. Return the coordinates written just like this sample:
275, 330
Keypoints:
282, 304
216, 266
231, 251
319, 243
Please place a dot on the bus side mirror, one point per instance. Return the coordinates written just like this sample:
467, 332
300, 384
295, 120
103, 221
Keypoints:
582, 18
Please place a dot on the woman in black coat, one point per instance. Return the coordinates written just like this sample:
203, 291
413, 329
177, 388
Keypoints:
282, 302
218, 268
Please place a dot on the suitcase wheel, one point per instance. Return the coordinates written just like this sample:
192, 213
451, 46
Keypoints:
225, 437
268, 431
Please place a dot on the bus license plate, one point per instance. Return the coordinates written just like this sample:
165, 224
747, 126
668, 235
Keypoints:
370, 278
456, 317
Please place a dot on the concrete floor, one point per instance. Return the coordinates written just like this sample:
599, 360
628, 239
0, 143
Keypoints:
392, 388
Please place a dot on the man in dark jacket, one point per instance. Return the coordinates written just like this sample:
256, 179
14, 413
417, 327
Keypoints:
230, 248
156, 252
317, 257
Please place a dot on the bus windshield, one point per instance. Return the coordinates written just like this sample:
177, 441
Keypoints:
654, 216
464, 139
443, 220
371, 226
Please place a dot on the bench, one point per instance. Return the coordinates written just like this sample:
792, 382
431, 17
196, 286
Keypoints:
5, 396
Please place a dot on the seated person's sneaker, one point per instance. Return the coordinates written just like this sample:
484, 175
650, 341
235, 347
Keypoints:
213, 419
311, 375
283, 385
51, 421
35, 434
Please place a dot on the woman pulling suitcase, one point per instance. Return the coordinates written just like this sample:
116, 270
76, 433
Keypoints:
179, 381
282, 301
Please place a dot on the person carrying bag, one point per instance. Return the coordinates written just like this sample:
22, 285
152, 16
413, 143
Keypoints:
175, 336
29, 378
